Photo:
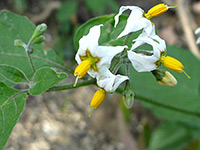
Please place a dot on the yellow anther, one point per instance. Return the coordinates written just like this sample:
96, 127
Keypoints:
82, 69
98, 98
173, 64
157, 10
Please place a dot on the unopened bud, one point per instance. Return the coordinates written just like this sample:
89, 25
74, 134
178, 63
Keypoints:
19, 43
39, 39
39, 30
165, 78
128, 96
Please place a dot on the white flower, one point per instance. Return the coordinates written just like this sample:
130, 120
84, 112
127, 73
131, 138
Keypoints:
197, 31
110, 82
142, 62
135, 22
98, 57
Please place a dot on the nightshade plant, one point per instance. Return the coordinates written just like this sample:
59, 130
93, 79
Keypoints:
108, 48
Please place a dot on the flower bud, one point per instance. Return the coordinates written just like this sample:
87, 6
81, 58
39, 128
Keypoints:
19, 43
40, 29
98, 98
39, 39
165, 78
128, 97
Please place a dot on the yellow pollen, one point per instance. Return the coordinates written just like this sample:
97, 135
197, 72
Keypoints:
98, 98
82, 68
157, 10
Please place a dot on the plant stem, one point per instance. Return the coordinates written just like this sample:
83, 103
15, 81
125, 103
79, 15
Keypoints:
30, 61
141, 98
71, 86
116, 66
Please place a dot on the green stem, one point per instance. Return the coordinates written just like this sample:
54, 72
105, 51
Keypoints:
141, 98
71, 86
30, 61
117, 65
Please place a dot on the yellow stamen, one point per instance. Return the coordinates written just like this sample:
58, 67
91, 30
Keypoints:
82, 68
186, 74
173, 64
91, 112
157, 10
76, 81
98, 98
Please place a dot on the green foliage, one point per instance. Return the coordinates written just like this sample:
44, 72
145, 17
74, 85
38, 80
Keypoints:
11, 75
14, 27
98, 6
12, 104
66, 11
185, 95
45, 78
168, 136
15, 69
109, 33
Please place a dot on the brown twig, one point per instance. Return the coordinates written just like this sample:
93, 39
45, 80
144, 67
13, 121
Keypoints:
46, 12
188, 25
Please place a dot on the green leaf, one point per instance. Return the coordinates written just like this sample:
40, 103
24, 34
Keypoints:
45, 78
109, 34
12, 103
99, 6
11, 75
169, 136
66, 11
14, 27
96, 6
184, 96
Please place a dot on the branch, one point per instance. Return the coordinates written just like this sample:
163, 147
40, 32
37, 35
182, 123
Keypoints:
141, 98
71, 86
186, 21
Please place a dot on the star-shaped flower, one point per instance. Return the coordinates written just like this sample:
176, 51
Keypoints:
93, 58
138, 19
150, 60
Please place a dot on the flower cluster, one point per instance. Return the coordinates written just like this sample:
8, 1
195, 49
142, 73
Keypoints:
95, 59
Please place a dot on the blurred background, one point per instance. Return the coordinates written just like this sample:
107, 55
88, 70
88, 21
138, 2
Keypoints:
59, 120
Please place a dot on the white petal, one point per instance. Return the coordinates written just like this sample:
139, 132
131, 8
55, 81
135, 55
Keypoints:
90, 41
121, 10
107, 53
197, 31
158, 46
141, 62
198, 40
136, 22
110, 82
